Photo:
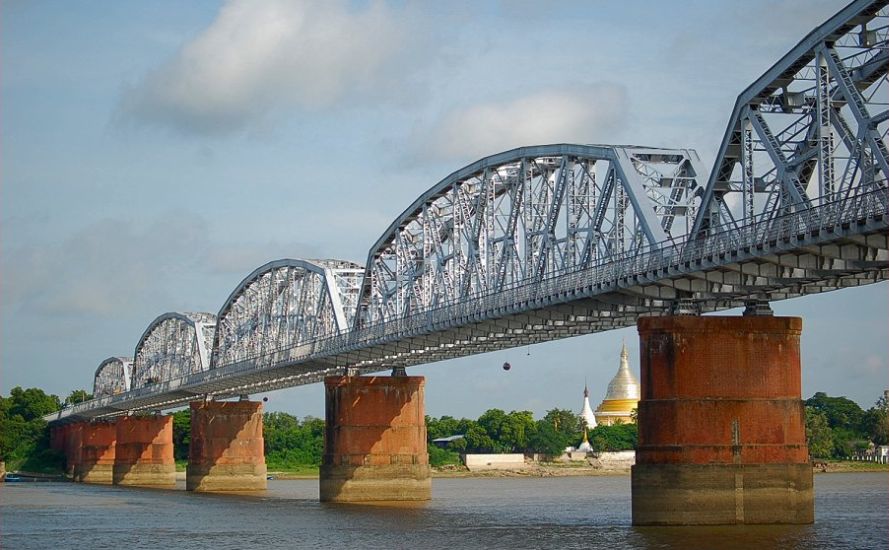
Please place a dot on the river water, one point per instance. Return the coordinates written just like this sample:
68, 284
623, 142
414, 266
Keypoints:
852, 511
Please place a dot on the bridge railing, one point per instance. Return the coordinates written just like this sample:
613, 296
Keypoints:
604, 274
558, 287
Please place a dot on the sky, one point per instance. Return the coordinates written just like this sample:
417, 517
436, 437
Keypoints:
152, 154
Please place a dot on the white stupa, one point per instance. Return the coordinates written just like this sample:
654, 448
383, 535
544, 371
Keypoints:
586, 413
588, 419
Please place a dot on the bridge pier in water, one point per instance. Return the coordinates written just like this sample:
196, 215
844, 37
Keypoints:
226, 452
98, 451
72, 442
721, 423
144, 452
375, 440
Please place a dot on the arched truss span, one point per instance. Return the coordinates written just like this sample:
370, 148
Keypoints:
810, 131
524, 215
286, 303
173, 345
113, 376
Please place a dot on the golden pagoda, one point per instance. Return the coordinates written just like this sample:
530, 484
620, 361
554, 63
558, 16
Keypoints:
622, 395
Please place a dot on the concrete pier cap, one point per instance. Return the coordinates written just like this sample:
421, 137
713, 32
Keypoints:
721, 423
375, 440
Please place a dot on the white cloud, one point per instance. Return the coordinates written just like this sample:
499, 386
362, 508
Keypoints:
581, 114
257, 57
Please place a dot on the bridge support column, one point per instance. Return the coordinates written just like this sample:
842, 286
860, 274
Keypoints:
57, 438
144, 452
375, 440
98, 450
73, 445
226, 452
721, 423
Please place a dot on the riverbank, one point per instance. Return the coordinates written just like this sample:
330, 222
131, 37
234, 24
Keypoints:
546, 469
570, 470
846, 466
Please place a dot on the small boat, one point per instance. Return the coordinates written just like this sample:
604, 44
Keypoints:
10, 477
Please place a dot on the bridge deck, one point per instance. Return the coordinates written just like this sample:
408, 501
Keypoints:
838, 245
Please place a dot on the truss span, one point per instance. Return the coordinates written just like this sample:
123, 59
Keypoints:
285, 304
810, 131
174, 345
113, 377
526, 215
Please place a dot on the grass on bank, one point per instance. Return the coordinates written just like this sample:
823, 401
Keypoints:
41, 462
295, 471
852, 466
274, 468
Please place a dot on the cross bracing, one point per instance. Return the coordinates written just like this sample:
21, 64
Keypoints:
811, 129
547, 242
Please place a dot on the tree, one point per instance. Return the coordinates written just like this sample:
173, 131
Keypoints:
78, 396
478, 440
617, 437
509, 432
290, 443
32, 403
548, 440
445, 426
841, 412
24, 436
819, 436
564, 422
181, 434
875, 424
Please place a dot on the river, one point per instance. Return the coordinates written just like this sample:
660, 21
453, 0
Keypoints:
851, 510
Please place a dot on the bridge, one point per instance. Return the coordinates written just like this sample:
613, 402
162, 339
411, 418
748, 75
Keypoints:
551, 241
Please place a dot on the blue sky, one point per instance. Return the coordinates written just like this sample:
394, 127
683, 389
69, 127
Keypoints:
152, 154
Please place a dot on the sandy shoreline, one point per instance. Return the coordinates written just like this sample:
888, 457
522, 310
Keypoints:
538, 470
577, 471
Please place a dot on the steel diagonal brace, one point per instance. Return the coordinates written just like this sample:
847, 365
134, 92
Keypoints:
792, 183
636, 192
546, 236
858, 107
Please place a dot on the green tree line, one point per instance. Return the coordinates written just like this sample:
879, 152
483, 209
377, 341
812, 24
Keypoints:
836, 427
24, 435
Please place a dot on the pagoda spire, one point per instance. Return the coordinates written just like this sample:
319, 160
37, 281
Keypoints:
587, 417
622, 395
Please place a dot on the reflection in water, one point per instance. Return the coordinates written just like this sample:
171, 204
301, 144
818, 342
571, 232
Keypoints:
570, 512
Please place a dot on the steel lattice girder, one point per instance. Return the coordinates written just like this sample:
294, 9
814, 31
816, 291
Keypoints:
173, 345
113, 376
283, 304
811, 130
524, 215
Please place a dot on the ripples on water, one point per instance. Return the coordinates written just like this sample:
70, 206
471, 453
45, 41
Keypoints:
852, 511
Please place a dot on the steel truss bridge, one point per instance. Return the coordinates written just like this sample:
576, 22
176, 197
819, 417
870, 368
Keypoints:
546, 242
